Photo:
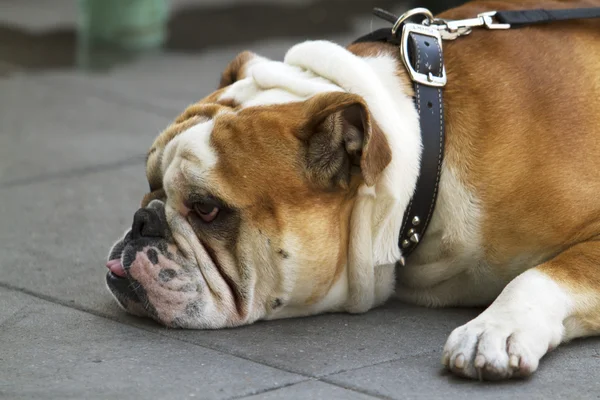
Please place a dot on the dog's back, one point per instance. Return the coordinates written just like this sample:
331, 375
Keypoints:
525, 103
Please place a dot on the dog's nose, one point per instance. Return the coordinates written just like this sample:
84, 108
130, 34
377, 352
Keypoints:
148, 222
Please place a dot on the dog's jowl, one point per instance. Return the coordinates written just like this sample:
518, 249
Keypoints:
282, 193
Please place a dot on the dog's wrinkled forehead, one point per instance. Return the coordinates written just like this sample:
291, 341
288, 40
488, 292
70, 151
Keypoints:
249, 82
186, 140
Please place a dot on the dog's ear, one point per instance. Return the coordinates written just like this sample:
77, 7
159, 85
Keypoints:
341, 135
235, 69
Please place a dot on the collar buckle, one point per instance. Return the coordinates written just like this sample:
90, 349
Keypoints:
424, 79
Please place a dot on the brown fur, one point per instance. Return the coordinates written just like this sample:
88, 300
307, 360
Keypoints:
526, 139
154, 195
279, 200
578, 270
233, 71
373, 150
528, 147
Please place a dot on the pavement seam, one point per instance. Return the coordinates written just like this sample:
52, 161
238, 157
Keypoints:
407, 356
54, 300
311, 377
351, 389
75, 172
327, 378
111, 97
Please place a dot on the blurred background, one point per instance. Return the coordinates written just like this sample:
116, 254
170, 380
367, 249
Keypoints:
51, 34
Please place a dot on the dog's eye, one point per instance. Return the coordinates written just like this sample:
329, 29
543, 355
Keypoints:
206, 211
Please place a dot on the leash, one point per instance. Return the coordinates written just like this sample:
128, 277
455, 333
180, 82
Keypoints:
421, 53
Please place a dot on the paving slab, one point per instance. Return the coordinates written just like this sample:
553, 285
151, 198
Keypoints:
567, 373
310, 390
56, 234
54, 352
47, 130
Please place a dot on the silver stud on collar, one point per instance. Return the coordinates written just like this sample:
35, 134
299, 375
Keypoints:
416, 221
405, 244
414, 238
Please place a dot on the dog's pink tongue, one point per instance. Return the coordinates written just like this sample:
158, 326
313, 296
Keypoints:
116, 268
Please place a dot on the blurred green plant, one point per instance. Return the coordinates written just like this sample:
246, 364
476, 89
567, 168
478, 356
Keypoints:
122, 24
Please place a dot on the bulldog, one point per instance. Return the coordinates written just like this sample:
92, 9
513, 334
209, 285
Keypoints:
282, 193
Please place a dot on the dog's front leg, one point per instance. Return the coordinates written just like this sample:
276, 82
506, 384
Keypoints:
552, 303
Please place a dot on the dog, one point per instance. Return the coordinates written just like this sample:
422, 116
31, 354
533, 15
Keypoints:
282, 193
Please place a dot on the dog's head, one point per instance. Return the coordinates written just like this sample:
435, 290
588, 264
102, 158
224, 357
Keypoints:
252, 204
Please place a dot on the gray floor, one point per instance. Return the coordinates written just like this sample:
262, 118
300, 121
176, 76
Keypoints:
71, 175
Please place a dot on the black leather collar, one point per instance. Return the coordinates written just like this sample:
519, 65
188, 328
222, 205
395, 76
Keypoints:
425, 57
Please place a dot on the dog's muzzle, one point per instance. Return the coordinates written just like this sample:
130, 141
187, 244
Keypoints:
149, 230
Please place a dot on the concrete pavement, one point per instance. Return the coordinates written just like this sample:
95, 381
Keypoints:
71, 176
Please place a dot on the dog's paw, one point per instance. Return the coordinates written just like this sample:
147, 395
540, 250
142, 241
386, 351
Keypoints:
493, 349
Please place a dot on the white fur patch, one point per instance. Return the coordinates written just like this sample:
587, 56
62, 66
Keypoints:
511, 336
269, 82
334, 301
452, 243
194, 141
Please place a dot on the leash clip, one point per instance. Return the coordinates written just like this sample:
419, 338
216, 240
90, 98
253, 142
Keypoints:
488, 20
450, 30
